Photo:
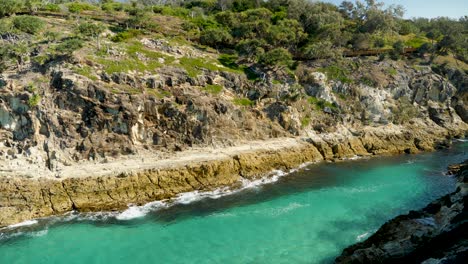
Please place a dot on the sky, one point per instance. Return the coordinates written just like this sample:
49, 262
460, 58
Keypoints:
427, 8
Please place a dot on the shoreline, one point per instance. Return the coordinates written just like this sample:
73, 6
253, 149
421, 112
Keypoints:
138, 183
435, 233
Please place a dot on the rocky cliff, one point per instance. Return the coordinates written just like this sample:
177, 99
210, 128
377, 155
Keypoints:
61, 119
437, 233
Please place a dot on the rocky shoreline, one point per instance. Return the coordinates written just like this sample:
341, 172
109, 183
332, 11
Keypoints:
90, 187
437, 233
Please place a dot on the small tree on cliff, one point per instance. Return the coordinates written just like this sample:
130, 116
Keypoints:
92, 30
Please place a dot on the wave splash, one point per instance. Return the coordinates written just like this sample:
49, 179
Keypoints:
134, 212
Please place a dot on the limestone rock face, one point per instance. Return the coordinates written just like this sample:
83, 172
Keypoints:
319, 87
58, 118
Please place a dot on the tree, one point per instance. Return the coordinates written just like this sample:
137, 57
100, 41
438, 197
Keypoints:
93, 30
398, 50
215, 37
19, 52
287, 33
321, 50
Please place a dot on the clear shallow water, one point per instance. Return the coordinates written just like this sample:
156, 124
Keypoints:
306, 217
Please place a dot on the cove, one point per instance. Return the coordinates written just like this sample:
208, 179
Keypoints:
307, 216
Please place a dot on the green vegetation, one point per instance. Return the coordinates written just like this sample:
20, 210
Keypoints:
86, 71
336, 73
305, 121
78, 7
320, 104
68, 46
34, 100
28, 24
213, 88
244, 102
193, 66
126, 35
248, 34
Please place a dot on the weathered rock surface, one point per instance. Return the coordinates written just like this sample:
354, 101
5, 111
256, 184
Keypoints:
437, 233
75, 142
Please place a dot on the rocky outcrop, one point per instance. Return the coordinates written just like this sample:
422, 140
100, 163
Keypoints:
62, 122
25, 195
437, 233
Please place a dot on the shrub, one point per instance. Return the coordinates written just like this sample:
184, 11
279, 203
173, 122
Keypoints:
112, 7
9, 7
78, 7
28, 24
34, 100
90, 29
126, 35
276, 57
50, 8
213, 88
229, 61
215, 37
68, 46
243, 102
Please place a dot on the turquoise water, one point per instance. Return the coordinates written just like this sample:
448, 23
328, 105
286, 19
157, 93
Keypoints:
308, 216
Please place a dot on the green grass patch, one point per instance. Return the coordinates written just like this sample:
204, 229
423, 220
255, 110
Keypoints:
416, 42
193, 66
391, 71
243, 102
126, 65
133, 61
86, 71
34, 100
136, 47
320, 104
158, 93
336, 73
305, 121
213, 88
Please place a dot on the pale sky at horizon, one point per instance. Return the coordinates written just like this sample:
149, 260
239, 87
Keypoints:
427, 8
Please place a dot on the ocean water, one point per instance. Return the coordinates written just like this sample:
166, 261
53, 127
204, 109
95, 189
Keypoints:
307, 216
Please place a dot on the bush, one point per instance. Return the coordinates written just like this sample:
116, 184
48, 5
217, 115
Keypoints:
78, 7
9, 7
112, 7
34, 100
276, 57
69, 46
28, 24
126, 35
243, 102
229, 61
50, 8
88, 29
398, 50
215, 37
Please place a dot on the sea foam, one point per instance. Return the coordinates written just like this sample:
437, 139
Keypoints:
25, 223
134, 212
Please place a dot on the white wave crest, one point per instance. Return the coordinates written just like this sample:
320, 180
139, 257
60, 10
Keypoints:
38, 233
134, 212
25, 223
362, 236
